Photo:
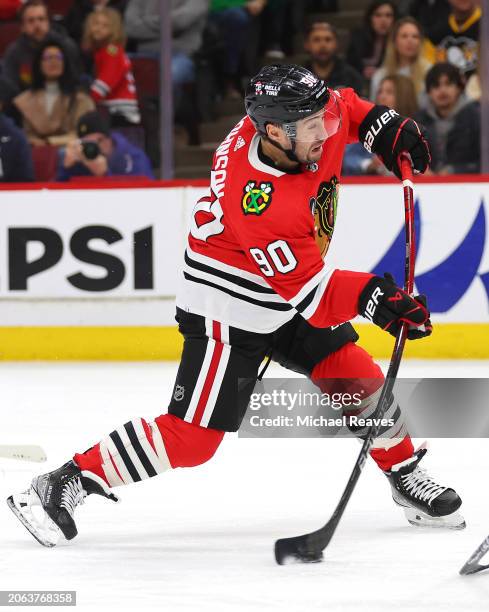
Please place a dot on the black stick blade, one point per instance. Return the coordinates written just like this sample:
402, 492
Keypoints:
472, 565
296, 550
472, 568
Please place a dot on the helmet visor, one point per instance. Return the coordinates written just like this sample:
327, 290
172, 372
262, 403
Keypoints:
318, 127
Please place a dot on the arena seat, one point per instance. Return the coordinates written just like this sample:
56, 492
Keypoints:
45, 159
59, 8
146, 74
9, 31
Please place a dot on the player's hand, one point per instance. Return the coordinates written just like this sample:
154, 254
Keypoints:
389, 306
410, 137
387, 133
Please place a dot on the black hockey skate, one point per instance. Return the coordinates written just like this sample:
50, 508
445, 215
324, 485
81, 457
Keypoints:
46, 509
425, 503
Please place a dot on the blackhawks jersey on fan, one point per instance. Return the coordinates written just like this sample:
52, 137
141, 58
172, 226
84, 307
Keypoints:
114, 85
258, 242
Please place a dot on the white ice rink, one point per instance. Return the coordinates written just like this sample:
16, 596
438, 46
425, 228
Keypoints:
202, 539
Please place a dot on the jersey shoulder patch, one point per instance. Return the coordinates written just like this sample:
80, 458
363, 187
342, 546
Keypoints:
257, 197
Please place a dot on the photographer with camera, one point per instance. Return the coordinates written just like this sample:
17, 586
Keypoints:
100, 152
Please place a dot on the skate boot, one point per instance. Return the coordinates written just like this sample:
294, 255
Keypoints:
46, 509
425, 503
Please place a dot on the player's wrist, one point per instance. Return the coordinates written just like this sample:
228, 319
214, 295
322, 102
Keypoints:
344, 290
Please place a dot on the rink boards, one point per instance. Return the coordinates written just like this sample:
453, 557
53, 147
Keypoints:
91, 271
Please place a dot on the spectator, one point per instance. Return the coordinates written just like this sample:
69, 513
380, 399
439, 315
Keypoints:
15, 153
142, 23
234, 18
452, 122
100, 152
395, 91
275, 24
321, 43
427, 12
79, 11
9, 8
113, 86
35, 28
403, 55
51, 107
367, 44
456, 39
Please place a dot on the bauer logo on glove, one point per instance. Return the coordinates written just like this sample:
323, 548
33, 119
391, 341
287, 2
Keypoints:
386, 133
388, 306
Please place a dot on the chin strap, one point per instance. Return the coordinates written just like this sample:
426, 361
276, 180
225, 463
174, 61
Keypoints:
289, 152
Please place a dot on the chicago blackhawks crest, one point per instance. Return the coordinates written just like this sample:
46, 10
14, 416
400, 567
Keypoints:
323, 208
256, 197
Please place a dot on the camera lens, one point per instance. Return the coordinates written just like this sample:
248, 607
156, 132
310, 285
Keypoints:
91, 150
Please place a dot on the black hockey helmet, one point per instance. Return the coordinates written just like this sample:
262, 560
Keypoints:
283, 94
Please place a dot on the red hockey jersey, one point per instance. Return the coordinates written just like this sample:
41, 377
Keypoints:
258, 242
114, 83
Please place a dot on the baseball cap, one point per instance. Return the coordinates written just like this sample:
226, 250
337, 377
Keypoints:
91, 123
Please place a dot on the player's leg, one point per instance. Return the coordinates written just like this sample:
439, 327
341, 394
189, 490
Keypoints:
336, 364
351, 369
206, 402
332, 360
425, 502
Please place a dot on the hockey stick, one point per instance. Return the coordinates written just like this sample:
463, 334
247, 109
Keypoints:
472, 565
309, 547
24, 452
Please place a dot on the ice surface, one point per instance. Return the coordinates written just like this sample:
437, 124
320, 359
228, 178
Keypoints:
202, 539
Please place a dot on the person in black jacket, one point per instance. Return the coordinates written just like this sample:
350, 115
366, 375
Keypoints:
15, 153
35, 29
367, 44
452, 122
321, 43
427, 12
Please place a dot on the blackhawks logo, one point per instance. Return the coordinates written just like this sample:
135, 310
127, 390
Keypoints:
323, 208
256, 198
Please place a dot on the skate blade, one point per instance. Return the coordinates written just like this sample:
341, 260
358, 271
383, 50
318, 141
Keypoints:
46, 532
420, 519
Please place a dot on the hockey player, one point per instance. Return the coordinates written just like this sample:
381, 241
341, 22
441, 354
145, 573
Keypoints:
256, 281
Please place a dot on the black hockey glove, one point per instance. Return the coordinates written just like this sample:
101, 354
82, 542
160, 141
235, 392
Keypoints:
386, 133
388, 306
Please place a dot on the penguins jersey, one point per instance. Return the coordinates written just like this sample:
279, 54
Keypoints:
258, 242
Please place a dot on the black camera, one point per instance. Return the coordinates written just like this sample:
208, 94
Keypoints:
91, 149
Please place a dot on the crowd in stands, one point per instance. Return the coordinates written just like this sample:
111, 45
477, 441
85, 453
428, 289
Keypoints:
79, 79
